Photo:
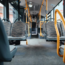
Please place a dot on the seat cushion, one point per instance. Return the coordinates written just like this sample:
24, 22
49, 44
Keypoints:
62, 38
16, 38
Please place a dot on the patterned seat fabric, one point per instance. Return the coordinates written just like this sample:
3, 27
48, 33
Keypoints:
51, 29
7, 26
62, 29
18, 29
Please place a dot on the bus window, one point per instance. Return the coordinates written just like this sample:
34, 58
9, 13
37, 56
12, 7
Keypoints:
1, 11
60, 8
10, 13
52, 16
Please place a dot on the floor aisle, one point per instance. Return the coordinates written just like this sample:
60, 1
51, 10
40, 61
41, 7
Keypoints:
36, 53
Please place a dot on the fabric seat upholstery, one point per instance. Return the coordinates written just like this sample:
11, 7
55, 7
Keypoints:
18, 31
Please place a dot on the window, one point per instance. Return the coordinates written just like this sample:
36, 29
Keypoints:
1, 11
15, 14
49, 16
10, 13
60, 8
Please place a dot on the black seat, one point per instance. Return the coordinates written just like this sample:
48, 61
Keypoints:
6, 51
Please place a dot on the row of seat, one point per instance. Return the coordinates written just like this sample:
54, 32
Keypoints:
51, 33
7, 52
15, 31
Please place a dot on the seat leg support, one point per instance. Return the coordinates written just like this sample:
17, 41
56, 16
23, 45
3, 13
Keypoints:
26, 42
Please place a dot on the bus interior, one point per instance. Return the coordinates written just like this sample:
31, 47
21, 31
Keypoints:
32, 32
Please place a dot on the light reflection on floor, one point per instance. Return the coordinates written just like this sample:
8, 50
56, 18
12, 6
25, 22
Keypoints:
39, 42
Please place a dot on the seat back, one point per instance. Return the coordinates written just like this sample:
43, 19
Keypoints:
7, 26
62, 30
18, 29
4, 45
50, 29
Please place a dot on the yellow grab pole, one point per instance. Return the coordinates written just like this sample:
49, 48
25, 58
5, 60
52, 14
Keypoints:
64, 54
40, 29
29, 14
41, 7
28, 29
26, 42
58, 35
40, 17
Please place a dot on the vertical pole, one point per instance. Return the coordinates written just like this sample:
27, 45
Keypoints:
6, 9
40, 24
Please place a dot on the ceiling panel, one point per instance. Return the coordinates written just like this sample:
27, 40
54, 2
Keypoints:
37, 4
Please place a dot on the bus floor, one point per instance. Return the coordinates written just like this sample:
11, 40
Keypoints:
37, 52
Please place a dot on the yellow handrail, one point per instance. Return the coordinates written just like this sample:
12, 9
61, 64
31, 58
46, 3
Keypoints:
40, 28
57, 32
41, 8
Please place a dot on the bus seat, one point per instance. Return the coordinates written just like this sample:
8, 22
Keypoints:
7, 26
62, 30
50, 31
18, 31
5, 53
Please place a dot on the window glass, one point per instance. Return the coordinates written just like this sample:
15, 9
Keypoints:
1, 11
52, 16
60, 8
49, 17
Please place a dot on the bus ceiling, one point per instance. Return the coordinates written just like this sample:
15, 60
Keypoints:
34, 5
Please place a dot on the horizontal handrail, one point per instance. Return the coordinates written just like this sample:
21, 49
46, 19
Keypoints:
57, 32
